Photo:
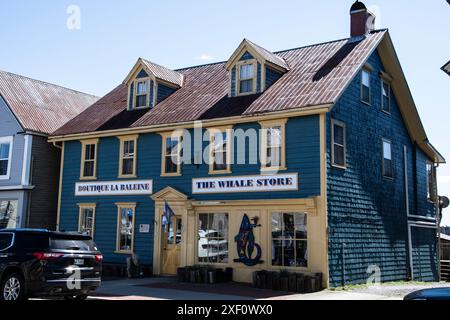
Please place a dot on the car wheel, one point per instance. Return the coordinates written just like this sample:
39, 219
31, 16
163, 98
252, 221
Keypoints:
12, 288
76, 298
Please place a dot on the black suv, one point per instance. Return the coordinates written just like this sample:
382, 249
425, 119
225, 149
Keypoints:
42, 263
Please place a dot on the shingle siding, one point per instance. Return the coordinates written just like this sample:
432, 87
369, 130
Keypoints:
163, 92
367, 212
45, 178
272, 76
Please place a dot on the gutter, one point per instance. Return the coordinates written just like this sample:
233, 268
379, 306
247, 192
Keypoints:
190, 124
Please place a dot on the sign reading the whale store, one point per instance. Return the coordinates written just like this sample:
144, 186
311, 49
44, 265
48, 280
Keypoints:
278, 182
114, 188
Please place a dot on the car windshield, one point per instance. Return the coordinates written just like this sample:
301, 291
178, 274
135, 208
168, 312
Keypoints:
72, 244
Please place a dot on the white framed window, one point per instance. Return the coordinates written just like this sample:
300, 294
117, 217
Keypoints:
141, 93
127, 157
86, 224
8, 214
213, 238
246, 77
220, 150
365, 86
172, 153
5, 157
88, 167
125, 227
388, 165
431, 181
339, 149
273, 145
385, 96
289, 239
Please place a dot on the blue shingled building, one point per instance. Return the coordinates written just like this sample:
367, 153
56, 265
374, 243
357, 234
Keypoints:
320, 147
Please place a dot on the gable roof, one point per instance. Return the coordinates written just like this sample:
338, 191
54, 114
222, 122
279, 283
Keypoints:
318, 76
158, 71
446, 68
264, 54
40, 106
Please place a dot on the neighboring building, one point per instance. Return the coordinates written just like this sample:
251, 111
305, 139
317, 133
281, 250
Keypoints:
29, 165
446, 68
344, 182
445, 257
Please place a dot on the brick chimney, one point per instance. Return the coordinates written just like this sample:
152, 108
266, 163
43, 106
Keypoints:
362, 20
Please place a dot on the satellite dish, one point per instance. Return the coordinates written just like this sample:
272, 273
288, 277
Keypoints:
444, 201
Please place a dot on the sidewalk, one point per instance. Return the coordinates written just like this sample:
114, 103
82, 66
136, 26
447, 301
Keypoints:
170, 289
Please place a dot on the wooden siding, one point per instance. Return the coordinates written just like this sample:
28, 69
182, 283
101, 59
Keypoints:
303, 156
45, 178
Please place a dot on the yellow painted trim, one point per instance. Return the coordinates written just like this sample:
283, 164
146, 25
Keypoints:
164, 135
263, 144
136, 81
123, 139
61, 173
82, 206
298, 112
84, 143
254, 63
229, 149
127, 205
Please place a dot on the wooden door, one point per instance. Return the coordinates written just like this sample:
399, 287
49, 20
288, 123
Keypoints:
171, 245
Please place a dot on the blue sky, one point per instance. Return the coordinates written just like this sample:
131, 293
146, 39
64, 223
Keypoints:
36, 42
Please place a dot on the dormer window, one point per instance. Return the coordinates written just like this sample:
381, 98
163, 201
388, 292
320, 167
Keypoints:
252, 69
142, 94
149, 83
246, 78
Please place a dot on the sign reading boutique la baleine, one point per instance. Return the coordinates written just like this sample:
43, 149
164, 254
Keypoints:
113, 188
277, 182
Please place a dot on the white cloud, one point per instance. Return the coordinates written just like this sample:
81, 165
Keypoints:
205, 57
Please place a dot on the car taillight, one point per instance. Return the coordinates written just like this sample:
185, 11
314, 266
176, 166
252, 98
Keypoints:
41, 256
98, 258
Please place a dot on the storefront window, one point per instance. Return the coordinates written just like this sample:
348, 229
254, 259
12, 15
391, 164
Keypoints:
289, 240
8, 214
125, 228
87, 218
213, 238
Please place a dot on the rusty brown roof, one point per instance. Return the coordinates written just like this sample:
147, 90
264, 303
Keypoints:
40, 106
318, 75
268, 56
164, 73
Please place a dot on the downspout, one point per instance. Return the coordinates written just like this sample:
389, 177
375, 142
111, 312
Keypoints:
438, 220
405, 159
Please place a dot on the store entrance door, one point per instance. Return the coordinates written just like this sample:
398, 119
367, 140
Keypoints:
171, 245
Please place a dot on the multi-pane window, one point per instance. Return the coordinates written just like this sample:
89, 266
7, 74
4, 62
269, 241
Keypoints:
246, 78
5, 157
273, 146
430, 181
365, 86
388, 167
213, 238
220, 150
142, 91
89, 158
385, 96
172, 154
339, 149
8, 214
125, 227
289, 240
87, 220
127, 164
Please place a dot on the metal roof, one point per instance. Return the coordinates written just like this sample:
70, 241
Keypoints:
40, 106
317, 75
164, 73
268, 56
